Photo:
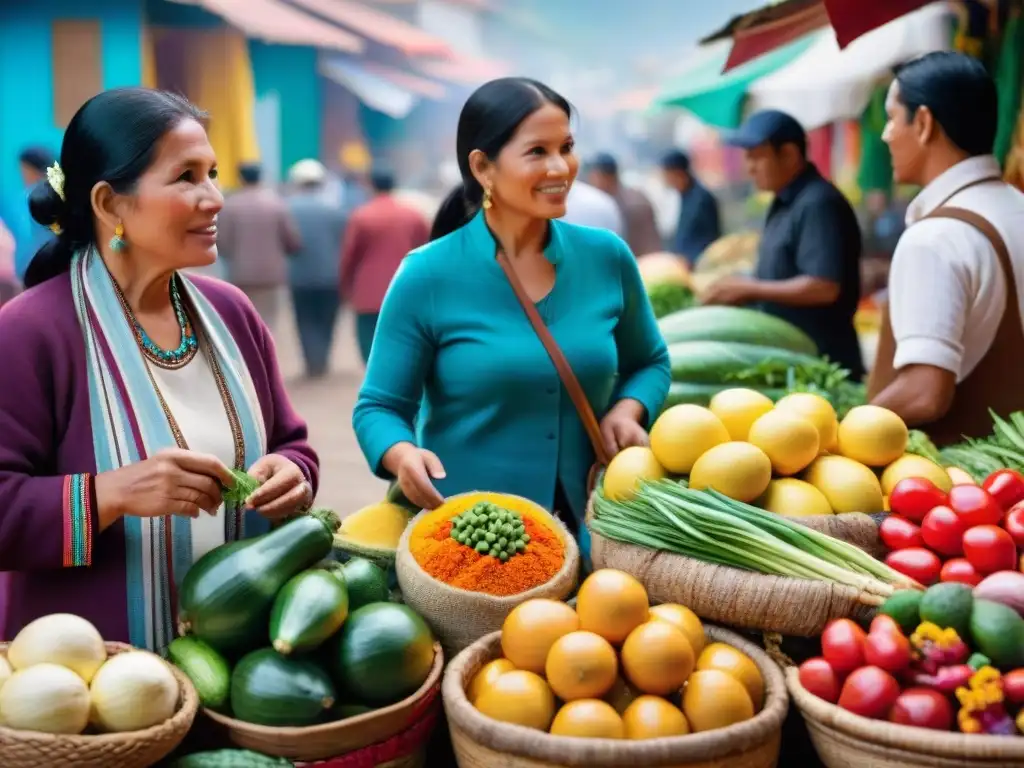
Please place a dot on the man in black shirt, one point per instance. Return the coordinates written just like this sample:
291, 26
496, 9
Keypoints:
808, 269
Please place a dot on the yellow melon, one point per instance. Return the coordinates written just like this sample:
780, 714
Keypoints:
872, 435
741, 471
627, 469
912, 465
790, 440
848, 485
820, 413
683, 433
738, 408
794, 498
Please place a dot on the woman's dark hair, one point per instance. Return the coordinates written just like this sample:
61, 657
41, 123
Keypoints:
959, 92
113, 138
489, 119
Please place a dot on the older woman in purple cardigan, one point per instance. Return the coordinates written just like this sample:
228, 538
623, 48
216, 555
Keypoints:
128, 390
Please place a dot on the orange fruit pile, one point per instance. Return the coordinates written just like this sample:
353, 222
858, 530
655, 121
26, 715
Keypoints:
614, 668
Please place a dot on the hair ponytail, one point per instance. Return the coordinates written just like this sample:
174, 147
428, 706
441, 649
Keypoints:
456, 211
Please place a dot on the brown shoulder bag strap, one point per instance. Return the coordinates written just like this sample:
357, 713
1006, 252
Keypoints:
565, 372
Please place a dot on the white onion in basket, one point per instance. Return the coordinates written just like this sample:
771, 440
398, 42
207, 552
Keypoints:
45, 697
5, 671
60, 638
132, 691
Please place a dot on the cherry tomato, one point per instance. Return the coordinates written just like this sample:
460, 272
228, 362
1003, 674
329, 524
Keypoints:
899, 533
1006, 486
887, 650
975, 505
915, 497
842, 645
960, 570
923, 708
869, 692
818, 677
1014, 524
883, 623
918, 563
943, 531
989, 549
1013, 686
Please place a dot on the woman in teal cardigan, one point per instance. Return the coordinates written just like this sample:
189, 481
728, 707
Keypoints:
460, 394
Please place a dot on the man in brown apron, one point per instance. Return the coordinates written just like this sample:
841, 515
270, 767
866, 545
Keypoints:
952, 339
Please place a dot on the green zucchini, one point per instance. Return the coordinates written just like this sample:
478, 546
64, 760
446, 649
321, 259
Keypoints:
309, 609
205, 667
735, 324
226, 596
230, 758
269, 689
716, 362
680, 392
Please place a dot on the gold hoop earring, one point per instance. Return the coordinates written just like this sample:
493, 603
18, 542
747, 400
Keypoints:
488, 202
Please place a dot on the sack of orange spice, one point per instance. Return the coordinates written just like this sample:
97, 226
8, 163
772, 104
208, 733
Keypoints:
462, 590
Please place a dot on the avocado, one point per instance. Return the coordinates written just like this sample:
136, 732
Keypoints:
904, 608
998, 632
949, 605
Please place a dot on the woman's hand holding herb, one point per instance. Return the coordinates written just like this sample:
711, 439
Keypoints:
172, 482
621, 427
416, 469
283, 489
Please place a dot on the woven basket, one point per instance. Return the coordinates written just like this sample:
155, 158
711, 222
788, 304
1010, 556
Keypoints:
481, 742
329, 740
742, 598
846, 740
460, 617
138, 749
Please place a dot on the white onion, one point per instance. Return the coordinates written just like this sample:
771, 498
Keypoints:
60, 638
47, 698
5, 670
133, 690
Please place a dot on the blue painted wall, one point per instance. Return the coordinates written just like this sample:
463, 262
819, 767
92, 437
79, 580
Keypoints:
290, 72
26, 77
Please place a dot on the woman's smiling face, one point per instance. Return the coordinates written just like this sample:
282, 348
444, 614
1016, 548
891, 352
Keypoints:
532, 174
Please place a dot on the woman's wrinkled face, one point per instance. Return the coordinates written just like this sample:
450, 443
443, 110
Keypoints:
171, 219
906, 137
533, 172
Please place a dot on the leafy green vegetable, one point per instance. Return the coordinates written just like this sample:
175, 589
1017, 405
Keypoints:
667, 298
245, 485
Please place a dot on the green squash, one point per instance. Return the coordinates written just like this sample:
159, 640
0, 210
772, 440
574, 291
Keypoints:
269, 689
309, 609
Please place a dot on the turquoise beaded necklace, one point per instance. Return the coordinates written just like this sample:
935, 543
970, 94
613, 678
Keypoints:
166, 358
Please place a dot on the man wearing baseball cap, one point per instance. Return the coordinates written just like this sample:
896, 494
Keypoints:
808, 268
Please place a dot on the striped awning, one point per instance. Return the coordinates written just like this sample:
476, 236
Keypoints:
276, 22
378, 26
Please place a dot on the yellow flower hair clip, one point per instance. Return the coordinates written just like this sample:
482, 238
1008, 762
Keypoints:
55, 177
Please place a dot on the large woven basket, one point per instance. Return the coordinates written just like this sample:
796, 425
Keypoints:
329, 740
846, 740
744, 598
481, 742
138, 749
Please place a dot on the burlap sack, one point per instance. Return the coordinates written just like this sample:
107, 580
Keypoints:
460, 617
742, 598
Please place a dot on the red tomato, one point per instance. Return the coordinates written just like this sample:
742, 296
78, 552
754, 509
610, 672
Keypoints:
887, 650
1013, 686
915, 497
1014, 524
818, 677
1006, 486
883, 623
943, 531
842, 645
920, 564
961, 570
989, 549
923, 708
899, 533
975, 505
869, 692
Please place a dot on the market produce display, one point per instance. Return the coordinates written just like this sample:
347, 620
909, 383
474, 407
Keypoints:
666, 278
277, 636
57, 678
945, 659
614, 667
979, 458
962, 533
491, 548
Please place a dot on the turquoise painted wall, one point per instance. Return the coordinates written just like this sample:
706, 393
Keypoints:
290, 72
26, 77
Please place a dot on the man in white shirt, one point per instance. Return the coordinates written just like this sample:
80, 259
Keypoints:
952, 345
589, 206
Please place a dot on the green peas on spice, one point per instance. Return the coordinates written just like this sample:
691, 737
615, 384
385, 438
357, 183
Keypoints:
492, 531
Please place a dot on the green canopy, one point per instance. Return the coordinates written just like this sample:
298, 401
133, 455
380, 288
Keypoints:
1009, 76
717, 98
